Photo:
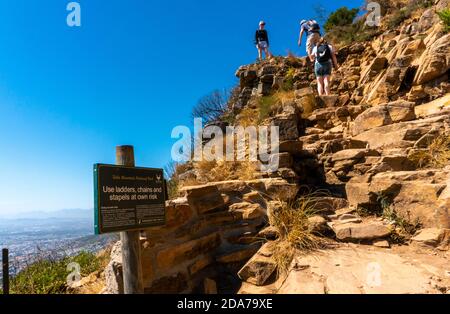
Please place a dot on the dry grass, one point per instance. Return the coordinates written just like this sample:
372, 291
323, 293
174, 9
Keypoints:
248, 117
215, 171
437, 155
291, 219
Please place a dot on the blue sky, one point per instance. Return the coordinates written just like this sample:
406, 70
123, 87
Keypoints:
129, 75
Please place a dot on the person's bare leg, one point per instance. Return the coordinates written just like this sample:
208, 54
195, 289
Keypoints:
260, 54
320, 85
326, 83
268, 55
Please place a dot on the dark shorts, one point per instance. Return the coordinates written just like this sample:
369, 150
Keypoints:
323, 69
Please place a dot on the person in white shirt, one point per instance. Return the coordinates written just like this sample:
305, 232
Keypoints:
324, 58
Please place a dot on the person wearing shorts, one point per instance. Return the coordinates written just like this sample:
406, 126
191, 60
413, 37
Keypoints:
324, 58
312, 29
262, 41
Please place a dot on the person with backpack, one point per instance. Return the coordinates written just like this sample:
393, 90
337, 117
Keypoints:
312, 29
262, 41
325, 59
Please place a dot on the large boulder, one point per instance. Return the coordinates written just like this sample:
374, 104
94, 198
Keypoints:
433, 237
403, 134
416, 196
204, 198
260, 268
382, 115
114, 271
434, 62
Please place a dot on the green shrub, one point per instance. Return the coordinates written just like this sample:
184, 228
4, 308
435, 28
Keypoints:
49, 275
288, 83
341, 17
444, 15
356, 32
265, 106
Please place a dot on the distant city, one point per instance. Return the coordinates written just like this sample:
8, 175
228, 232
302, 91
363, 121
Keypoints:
65, 232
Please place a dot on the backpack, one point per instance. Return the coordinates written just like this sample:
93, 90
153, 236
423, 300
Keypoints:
323, 53
314, 26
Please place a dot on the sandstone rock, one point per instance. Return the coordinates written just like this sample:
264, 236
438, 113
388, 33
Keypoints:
248, 210
382, 115
204, 199
238, 255
328, 101
200, 264
284, 160
288, 127
363, 231
247, 78
382, 244
258, 270
292, 147
210, 286
317, 224
275, 188
174, 284
255, 198
170, 257
269, 233
330, 204
414, 195
433, 237
114, 271
349, 154
178, 212
433, 107
434, 62
401, 135
327, 272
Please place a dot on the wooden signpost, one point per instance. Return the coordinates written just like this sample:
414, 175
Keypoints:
5, 271
128, 199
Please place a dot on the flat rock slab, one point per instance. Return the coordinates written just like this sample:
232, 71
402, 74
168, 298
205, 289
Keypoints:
360, 231
358, 270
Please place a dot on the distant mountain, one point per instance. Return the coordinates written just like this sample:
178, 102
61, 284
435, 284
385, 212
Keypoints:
60, 215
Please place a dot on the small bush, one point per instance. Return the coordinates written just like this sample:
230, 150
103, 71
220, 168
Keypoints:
341, 17
444, 15
291, 220
356, 32
437, 155
266, 104
214, 106
404, 229
48, 275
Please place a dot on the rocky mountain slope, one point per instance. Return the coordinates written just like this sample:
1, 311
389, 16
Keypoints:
361, 201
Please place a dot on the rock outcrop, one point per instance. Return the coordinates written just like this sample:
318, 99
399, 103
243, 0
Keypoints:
390, 102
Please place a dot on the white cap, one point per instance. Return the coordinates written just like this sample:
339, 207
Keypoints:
262, 23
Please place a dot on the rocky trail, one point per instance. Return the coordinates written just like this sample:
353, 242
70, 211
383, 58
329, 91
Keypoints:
373, 157
356, 269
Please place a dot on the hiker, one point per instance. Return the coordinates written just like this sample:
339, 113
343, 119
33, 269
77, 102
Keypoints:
312, 29
262, 41
325, 59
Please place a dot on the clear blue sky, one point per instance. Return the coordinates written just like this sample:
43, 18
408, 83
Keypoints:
128, 75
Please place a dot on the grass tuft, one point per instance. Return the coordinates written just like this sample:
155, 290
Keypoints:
291, 220
436, 155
